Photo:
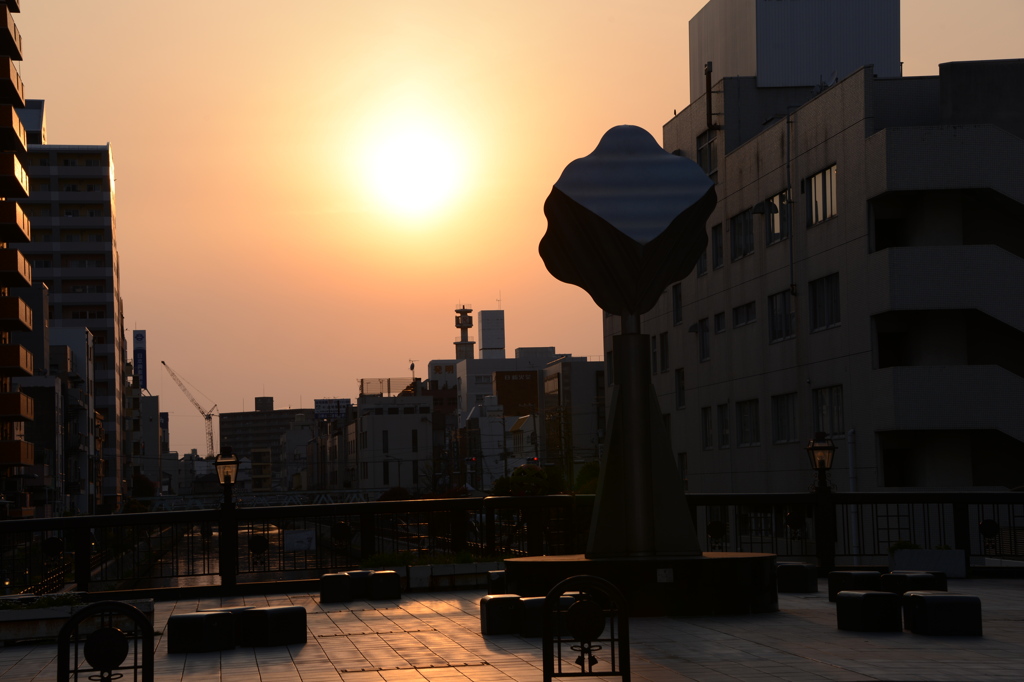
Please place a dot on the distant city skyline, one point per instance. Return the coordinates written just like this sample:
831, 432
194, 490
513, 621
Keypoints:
242, 134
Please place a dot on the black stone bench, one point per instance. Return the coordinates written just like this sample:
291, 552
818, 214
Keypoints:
496, 583
868, 611
499, 614
939, 582
385, 585
796, 577
194, 633
928, 612
335, 588
272, 626
852, 580
908, 581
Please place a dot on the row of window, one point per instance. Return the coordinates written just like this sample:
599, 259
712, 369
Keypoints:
717, 429
44, 186
385, 444
45, 161
823, 313
776, 217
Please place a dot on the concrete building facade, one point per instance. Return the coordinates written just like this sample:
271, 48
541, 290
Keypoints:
74, 252
859, 281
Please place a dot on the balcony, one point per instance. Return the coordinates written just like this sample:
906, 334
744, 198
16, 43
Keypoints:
15, 315
15, 453
14, 269
12, 131
16, 407
16, 360
10, 37
12, 90
15, 227
14, 5
13, 178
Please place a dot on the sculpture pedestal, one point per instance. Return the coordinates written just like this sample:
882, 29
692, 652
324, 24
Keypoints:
713, 584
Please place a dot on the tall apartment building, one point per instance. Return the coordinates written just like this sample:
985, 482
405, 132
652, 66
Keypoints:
863, 276
15, 407
74, 253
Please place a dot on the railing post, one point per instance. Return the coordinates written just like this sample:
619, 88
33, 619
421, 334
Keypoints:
534, 527
228, 547
489, 528
962, 532
367, 536
82, 540
825, 528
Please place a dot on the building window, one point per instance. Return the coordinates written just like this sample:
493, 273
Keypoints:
741, 233
748, 431
387, 473
364, 470
707, 438
723, 426
703, 340
828, 410
654, 354
743, 314
784, 418
707, 153
415, 440
384, 441
821, 196
702, 263
717, 247
677, 303
663, 341
776, 218
719, 323
781, 324
680, 389
823, 299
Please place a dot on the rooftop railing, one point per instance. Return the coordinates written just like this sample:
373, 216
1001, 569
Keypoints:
266, 544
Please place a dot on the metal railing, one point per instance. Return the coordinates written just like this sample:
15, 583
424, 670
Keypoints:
252, 545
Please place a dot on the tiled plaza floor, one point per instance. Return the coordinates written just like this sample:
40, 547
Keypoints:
436, 637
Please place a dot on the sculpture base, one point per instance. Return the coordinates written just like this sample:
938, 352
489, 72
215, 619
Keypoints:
714, 584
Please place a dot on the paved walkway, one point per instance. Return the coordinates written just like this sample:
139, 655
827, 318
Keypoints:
436, 636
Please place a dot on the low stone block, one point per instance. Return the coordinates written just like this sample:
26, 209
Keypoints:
852, 580
939, 581
385, 585
233, 610
868, 611
928, 612
335, 588
496, 582
531, 614
193, 633
273, 626
898, 583
499, 614
360, 583
796, 577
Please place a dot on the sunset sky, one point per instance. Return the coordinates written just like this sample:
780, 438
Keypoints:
259, 248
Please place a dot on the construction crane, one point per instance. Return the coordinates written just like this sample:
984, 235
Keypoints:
207, 414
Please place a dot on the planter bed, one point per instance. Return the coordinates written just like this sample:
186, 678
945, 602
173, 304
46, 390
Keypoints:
45, 623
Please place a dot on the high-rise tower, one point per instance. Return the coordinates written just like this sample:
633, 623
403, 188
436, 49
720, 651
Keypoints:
75, 255
15, 360
464, 322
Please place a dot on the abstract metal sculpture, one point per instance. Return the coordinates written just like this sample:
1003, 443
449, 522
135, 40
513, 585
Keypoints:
623, 223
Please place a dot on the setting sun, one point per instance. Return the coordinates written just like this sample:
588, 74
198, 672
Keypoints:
414, 171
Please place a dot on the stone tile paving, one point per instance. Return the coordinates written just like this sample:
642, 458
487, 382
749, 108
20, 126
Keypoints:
436, 637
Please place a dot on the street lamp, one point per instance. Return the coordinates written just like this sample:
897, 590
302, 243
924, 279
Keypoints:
820, 451
227, 473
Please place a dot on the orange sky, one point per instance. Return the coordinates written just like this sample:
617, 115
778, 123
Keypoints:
251, 250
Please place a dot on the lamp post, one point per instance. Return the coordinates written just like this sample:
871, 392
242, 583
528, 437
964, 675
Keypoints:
227, 474
820, 451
